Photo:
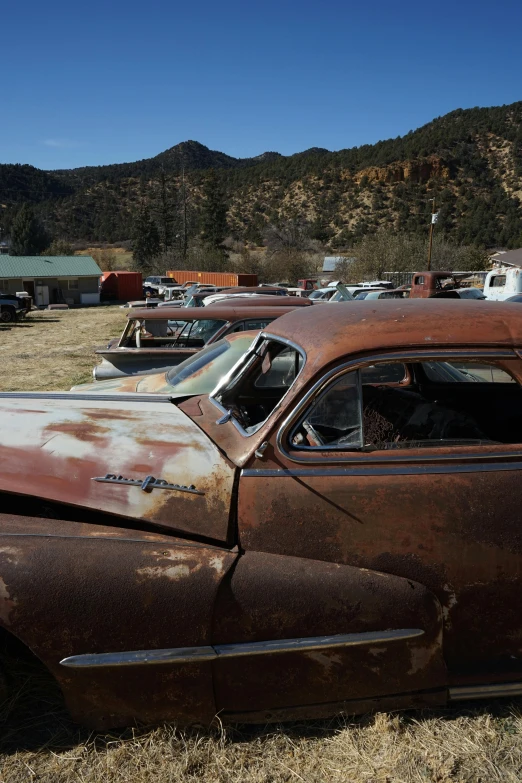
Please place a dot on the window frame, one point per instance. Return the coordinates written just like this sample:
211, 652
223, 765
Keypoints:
242, 367
73, 287
307, 455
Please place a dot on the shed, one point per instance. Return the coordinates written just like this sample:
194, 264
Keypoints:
52, 279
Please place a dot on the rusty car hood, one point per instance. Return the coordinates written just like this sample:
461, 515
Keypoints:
55, 445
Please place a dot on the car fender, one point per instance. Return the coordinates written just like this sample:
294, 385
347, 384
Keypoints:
73, 589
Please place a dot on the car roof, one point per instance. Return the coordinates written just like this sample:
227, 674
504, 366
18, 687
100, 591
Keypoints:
360, 326
221, 313
259, 300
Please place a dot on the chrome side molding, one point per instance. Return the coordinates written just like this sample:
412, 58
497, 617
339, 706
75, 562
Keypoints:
180, 655
495, 691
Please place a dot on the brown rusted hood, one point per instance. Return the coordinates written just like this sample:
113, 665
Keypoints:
54, 446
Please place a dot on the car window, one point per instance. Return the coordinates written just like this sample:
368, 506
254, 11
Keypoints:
497, 281
384, 372
201, 373
203, 329
267, 373
444, 403
465, 372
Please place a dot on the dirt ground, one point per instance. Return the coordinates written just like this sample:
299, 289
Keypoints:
54, 349
38, 742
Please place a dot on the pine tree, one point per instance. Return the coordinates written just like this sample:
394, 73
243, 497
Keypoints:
28, 237
146, 244
214, 212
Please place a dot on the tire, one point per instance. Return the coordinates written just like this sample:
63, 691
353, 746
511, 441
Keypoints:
7, 315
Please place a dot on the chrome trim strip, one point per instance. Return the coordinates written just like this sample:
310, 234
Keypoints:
178, 655
413, 355
315, 643
140, 657
385, 470
123, 396
469, 692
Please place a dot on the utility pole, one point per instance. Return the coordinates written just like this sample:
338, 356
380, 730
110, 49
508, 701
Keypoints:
434, 216
184, 245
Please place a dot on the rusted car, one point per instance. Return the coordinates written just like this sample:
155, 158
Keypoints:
155, 339
336, 527
199, 374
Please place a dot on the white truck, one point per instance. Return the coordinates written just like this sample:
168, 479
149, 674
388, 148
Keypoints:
503, 282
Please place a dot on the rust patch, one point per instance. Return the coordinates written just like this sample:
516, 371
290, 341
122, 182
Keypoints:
7, 604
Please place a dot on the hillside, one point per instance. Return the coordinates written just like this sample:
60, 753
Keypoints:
470, 160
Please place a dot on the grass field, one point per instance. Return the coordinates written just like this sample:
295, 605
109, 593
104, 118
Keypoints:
38, 742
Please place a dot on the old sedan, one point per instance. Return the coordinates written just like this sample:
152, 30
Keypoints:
336, 527
159, 338
199, 374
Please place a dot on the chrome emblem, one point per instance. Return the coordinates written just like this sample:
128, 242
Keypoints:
147, 484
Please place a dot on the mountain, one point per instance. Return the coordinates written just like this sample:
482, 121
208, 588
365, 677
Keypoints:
469, 160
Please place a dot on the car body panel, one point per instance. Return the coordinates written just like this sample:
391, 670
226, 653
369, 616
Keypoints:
113, 589
54, 445
269, 596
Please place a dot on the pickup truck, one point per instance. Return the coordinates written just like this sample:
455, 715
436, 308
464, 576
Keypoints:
12, 307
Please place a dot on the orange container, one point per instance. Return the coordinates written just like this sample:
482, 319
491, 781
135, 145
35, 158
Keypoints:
213, 278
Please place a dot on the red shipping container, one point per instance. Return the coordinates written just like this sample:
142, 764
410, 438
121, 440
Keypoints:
213, 278
121, 286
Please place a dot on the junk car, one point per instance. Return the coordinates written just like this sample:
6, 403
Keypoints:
199, 374
155, 339
334, 528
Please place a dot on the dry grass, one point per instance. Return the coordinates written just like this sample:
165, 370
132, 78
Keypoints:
55, 349
38, 742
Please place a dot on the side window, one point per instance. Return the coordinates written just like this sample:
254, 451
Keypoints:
498, 281
419, 280
251, 395
282, 372
397, 406
336, 418
465, 372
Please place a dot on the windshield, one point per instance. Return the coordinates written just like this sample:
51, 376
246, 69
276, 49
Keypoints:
202, 372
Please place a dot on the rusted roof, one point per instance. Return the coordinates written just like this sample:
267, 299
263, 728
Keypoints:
260, 300
334, 330
221, 313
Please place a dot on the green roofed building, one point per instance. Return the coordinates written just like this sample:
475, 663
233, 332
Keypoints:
52, 279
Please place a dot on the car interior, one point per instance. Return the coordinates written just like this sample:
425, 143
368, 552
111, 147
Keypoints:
398, 406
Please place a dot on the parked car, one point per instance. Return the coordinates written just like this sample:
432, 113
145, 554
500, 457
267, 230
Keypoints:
394, 293
459, 293
515, 298
13, 308
154, 339
322, 294
331, 529
199, 374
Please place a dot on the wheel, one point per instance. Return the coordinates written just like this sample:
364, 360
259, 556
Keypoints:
8, 315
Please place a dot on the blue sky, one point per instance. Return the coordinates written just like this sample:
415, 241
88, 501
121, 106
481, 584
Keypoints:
105, 82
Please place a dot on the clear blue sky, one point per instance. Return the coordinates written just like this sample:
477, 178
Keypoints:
87, 83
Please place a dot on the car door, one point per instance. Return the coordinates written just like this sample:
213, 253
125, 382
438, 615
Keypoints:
293, 631
440, 511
